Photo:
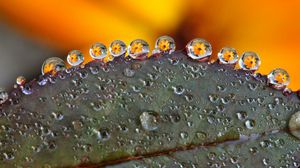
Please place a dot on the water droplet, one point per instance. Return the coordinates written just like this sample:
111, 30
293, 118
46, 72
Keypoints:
249, 61
57, 116
117, 48
98, 51
179, 90
250, 124
241, 115
103, 134
184, 135
21, 80
3, 96
8, 156
294, 124
165, 45
278, 78
75, 57
53, 65
198, 48
228, 55
27, 90
149, 121
128, 72
138, 49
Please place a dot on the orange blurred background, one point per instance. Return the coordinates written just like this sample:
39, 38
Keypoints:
267, 27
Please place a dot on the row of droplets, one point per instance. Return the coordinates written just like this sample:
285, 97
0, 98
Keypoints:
197, 49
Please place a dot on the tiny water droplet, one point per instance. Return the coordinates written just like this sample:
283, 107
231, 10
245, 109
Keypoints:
21, 80
198, 48
53, 65
117, 48
241, 115
75, 57
250, 124
128, 72
228, 55
98, 51
179, 90
278, 78
138, 49
249, 61
3, 96
26, 89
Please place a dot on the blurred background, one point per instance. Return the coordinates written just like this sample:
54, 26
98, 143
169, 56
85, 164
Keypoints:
31, 31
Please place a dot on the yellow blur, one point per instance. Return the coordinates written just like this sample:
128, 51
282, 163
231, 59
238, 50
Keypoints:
267, 27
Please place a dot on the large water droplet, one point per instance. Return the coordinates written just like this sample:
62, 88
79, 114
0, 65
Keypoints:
198, 48
149, 121
278, 78
228, 55
138, 49
75, 57
249, 61
164, 45
98, 51
117, 48
53, 65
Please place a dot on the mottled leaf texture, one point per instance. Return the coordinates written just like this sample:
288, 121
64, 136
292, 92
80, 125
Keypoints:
166, 111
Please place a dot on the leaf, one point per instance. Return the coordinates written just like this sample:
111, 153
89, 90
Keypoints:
162, 112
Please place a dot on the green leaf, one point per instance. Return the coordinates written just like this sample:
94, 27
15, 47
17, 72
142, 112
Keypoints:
162, 112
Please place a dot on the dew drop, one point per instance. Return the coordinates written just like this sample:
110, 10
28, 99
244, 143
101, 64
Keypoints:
198, 48
294, 124
57, 116
241, 115
149, 121
164, 45
98, 51
278, 78
128, 72
3, 96
178, 90
53, 65
249, 61
250, 124
138, 49
117, 48
103, 134
21, 80
27, 90
75, 57
228, 55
